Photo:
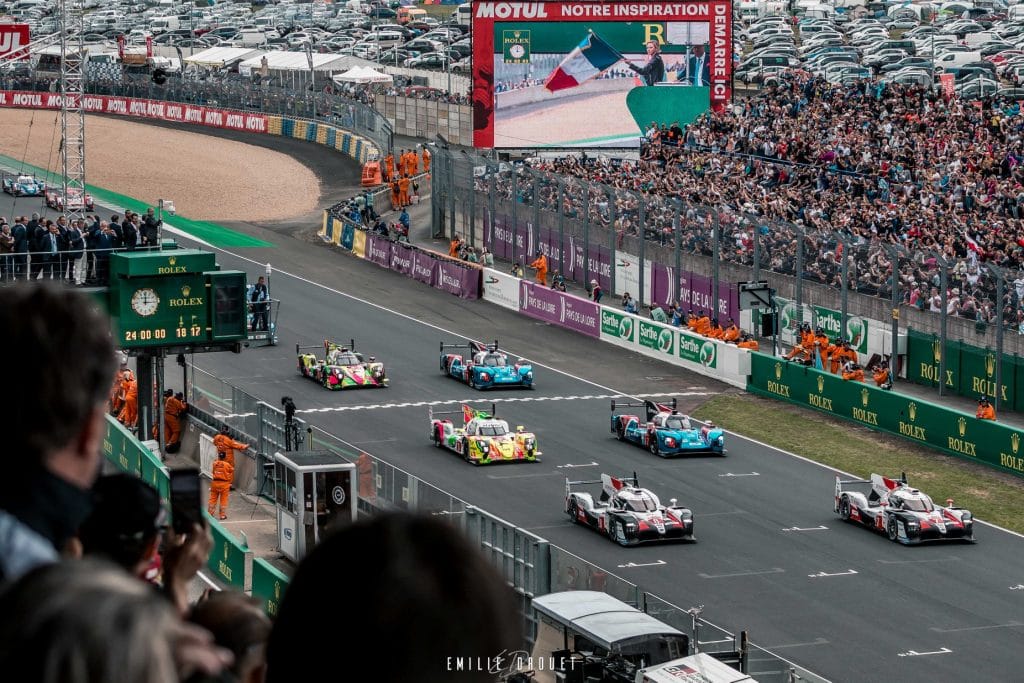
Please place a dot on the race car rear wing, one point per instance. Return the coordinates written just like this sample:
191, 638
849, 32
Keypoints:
605, 480
876, 484
652, 407
326, 345
468, 412
474, 346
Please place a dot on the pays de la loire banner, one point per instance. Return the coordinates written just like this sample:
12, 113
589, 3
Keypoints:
140, 108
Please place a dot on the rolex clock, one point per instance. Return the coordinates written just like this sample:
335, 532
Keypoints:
517, 51
145, 301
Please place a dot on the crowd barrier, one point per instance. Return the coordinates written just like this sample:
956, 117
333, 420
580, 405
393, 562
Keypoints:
423, 265
945, 429
970, 370
359, 148
708, 357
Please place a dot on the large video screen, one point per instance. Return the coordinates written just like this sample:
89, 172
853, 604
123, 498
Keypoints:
587, 74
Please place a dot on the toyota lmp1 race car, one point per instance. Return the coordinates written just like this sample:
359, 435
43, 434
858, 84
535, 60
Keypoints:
485, 367
666, 432
77, 200
630, 515
484, 439
23, 185
904, 514
341, 367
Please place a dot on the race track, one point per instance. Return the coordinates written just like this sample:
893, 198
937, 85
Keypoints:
839, 600
594, 120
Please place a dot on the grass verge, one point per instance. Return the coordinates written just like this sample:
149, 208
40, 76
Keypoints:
992, 496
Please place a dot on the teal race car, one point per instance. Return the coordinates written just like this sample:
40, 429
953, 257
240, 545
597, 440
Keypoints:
23, 185
485, 366
665, 432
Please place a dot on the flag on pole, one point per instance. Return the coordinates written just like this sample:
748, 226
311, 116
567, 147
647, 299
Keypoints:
972, 244
587, 60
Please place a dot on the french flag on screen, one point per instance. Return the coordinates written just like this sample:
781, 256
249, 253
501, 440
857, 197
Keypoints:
586, 61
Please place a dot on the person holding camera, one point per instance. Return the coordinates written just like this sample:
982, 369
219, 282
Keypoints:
150, 229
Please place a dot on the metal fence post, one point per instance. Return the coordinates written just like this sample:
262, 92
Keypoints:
677, 236
757, 251
944, 287
515, 213
561, 228
613, 210
642, 220
716, 255
586, 235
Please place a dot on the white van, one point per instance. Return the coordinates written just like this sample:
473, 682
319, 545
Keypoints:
384, 39
164, 24
250, 38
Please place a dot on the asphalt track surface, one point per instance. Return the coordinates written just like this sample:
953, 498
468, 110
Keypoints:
771, 556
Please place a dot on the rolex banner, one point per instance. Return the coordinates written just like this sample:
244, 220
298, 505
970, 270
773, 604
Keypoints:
949, 430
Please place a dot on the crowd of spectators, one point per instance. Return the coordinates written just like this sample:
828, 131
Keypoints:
853, 169
77, 252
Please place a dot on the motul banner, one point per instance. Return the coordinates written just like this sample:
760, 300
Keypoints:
948, 84
147, 109
14, 40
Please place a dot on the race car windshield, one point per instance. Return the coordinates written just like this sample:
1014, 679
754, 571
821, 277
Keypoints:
641, 504
677, 422
923, 504
492, 429
345, 359
493, 360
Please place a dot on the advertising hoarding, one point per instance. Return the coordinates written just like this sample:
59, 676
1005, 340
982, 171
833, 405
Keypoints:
584, 74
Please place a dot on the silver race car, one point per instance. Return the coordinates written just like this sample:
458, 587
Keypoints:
628, 514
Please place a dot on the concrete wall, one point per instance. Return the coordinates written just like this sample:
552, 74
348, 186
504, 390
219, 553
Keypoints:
426, 118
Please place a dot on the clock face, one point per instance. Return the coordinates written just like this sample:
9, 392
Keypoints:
145, 302
517, 51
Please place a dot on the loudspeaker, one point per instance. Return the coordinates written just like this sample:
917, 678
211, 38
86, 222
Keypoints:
769, 324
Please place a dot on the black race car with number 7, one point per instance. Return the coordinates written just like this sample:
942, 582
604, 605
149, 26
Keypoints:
628, 514
904, 514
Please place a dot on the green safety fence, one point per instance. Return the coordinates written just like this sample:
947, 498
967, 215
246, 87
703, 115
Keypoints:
227, 559
212, 233
268, 585
127, 454
970, 370
948, 430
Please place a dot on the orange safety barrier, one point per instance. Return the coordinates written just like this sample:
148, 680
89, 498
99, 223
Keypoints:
371, 174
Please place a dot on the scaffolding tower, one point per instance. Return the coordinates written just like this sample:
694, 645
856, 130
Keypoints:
71, 24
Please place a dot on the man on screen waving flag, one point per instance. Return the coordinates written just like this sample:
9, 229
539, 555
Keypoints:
586, 61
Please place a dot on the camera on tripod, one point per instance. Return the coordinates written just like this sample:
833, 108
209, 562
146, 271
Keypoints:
289, 407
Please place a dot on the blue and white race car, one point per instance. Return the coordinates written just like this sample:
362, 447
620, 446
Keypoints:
23, 185
666, 431
485, 367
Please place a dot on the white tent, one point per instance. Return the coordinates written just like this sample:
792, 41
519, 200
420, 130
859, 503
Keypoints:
279, 61
220, 57
362, 74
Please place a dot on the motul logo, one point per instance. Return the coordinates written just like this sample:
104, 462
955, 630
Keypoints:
14, 39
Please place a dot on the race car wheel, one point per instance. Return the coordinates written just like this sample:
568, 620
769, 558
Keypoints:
620, 431
437, 438
472, 381
617, 531
574, 511
654, 445
891, 529
844, 508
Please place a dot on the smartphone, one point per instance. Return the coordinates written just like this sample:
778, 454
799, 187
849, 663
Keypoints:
186, 499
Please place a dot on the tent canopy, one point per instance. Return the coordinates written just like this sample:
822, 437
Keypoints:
219, 57
363, 74
280, 60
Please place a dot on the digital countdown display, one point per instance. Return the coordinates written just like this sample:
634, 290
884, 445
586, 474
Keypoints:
586, 74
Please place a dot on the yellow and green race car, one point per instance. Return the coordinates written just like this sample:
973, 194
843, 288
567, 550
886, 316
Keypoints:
484, 439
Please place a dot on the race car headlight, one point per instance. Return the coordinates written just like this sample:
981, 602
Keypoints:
966, 517
720, 440
485, 377
484, 444
912, 525
670, 442
630, 526
529, 375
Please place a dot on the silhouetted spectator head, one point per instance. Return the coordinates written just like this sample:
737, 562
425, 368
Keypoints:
126, 522
238, 624
86, 621
394, 579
